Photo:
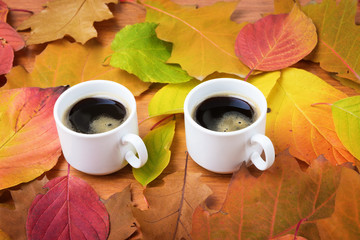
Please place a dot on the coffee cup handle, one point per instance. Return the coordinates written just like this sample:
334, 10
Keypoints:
140, 148
269, 151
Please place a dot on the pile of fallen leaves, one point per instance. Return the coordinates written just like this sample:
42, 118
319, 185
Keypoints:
179, 46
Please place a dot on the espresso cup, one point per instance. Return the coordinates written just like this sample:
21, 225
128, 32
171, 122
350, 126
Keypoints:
225, 152
106, 152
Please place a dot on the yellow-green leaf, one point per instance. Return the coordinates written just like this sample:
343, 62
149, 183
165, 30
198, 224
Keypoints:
170, 99
308, 131
158, 143
346, 115
338, 48
65, 63
203, 39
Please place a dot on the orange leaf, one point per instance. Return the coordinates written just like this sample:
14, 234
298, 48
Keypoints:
64, 63
283, 200
276, 41
4, 10
29, 143
308, 131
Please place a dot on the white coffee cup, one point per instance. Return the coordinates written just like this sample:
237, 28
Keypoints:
225, 152
100, 153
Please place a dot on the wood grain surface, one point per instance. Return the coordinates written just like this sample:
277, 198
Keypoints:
129, 13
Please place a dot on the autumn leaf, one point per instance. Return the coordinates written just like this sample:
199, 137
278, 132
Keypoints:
344, 223
276, 41
265, 82
338, 47
158, 143
170, 98
28, 112
138, 50
66, 17
199, 43
273, 204
4, 10
346, 115
308, 131
121, 218
64, 63
13, 220
11, 37
6, 58
171, 206
70, 209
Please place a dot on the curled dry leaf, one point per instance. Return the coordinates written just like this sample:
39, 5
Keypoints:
274, 204
276, 41
70, 209
29, 143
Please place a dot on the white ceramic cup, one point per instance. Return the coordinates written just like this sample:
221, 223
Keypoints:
100, 153
225, 152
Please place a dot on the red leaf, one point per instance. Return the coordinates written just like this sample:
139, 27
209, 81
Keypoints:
276, 41
6, 58
11, 37
3, 11
71, 209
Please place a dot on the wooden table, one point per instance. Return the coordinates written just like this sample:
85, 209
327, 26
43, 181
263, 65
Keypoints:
128, 13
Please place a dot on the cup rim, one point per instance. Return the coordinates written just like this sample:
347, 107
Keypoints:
59, 123
187, 113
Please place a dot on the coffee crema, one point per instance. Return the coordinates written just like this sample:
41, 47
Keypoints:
224, 114
95, 115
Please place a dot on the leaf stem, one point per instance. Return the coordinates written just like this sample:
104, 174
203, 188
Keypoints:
248, 75
162, 120
321, 103
21, 10
298, 226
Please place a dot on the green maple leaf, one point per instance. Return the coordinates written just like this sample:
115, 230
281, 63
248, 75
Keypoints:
138, 51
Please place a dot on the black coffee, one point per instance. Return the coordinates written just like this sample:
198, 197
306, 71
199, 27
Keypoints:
96, 115
224, 114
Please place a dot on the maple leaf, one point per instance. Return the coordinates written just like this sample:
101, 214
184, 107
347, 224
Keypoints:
171, 206
13, 220
64, 63
346, 115
158, 143
308, 131
199, 43
28, 112
276, 41
66, 17
139, 51
273, 204
338, 47
122, 221
70, 209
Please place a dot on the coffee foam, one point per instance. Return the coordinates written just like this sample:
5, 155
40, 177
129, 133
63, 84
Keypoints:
104, 123
231, 121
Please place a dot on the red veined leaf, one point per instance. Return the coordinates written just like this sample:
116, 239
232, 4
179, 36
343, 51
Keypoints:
71, 209
276, 41
6, 57
11, 37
